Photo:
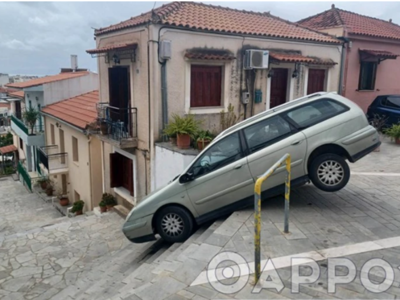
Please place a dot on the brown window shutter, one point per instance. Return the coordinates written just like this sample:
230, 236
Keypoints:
130, 176
205, 89
115, 175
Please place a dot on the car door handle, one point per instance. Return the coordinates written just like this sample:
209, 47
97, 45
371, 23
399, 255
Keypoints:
238, 167
296, 142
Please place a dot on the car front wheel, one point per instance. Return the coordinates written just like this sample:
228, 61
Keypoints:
329, 172
174, 224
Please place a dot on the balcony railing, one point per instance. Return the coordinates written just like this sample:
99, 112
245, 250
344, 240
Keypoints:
118, 124
26, 128
52, 159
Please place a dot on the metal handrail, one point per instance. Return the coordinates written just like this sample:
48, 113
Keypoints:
257, 209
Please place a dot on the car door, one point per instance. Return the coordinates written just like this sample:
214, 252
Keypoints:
221, 176
268, 141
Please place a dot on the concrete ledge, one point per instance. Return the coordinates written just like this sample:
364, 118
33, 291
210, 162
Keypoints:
174, 148
121, 211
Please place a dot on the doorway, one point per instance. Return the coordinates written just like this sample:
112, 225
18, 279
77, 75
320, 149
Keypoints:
279, 82
316, 81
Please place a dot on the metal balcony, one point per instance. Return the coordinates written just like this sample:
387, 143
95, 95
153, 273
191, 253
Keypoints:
31, 136
52, 160
117, 126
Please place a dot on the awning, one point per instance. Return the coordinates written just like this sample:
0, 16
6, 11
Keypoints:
8, 149
121, 46
18, 94
376, 55
290, 56
209, 54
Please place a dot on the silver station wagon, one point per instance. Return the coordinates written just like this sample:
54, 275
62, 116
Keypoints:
320, 132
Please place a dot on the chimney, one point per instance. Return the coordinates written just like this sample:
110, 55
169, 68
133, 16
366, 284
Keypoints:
333, 6
74, 62
390, 20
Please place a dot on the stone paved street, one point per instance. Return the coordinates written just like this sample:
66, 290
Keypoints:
46, 256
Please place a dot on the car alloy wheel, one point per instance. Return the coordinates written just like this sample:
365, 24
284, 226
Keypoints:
330, 173
172, 224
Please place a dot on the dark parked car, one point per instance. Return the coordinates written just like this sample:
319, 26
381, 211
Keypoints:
385, 106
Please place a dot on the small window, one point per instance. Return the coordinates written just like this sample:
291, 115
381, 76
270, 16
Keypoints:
391, 101
205, 86
367, 75
266, 132
75, 153
315, 112
21, 144
223, 153
52, 135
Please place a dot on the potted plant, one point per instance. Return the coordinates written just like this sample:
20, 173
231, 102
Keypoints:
49, 188
204, 138
378, 122
109, 200
184, 128
30, 116
394, 133
102, 206
43, 181
77, 207
62, 197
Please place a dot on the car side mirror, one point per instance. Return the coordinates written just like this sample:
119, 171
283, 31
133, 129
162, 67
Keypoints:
186, 177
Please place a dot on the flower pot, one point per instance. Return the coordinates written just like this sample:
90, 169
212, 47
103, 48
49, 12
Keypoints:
64, 201
103, 209
173, 140
78, 213
103, 128
202, 144
109, 207
183, 141
43, 185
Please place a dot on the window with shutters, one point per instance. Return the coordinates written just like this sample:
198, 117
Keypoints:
367, 75
205, 86
121, 172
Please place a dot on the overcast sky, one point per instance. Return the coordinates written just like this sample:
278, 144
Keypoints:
37, 38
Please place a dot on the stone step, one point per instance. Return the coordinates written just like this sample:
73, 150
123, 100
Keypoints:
121, 210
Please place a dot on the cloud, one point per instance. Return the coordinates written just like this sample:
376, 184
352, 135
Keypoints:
17, 45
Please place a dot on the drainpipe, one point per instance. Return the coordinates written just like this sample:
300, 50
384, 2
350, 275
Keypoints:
89, 137
342, 63
164, 97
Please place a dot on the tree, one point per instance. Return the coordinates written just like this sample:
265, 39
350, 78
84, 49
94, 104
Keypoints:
30, 116
6, 140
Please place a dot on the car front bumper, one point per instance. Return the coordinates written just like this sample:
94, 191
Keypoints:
139, 230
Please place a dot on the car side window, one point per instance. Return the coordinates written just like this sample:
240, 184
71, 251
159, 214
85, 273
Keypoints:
266, 132
391, 101
222, 153
315, 112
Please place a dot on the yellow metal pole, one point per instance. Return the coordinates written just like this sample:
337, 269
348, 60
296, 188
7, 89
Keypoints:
257, 229
287, 193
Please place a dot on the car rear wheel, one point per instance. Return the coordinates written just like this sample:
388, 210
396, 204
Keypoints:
174, 224
329, 172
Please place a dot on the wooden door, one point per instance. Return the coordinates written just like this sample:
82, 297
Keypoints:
279, 82
119, 87
62, 146
316, 81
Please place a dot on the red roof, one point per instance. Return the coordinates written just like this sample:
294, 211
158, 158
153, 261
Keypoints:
78, 111
47, 79
355, 23
6, 89
8, 149
17, 94
192, 15
290, 57
121, 46
380, 53
209, 54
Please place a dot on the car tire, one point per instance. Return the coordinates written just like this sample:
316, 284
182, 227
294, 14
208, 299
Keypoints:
174, 224
329, 172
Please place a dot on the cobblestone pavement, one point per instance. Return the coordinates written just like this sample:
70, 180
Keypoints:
41, 253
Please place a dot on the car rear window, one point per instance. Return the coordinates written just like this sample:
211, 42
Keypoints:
315, 112
391, 101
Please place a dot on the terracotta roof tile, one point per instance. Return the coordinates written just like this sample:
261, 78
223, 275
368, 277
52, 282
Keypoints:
192, 15
17, 94
4, 89
121, 46
209, 54
355, 23
380, 53
8, 149
290, 57
47, 79
78, 111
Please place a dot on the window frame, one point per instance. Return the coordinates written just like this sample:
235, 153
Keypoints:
299, 128
242, 152
375, 64
75, 146
207, 65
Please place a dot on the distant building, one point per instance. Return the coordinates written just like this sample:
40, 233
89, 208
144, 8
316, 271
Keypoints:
4, 79
21, 78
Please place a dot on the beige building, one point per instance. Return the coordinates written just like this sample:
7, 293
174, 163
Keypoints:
71, 156
196, 58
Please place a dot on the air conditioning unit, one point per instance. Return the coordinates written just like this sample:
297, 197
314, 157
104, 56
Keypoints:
256, 59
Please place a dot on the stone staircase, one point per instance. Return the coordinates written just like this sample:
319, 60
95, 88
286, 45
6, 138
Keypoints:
152, 270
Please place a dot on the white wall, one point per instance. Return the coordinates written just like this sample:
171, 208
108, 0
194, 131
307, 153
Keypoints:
167, 165
4, 79
68, 88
